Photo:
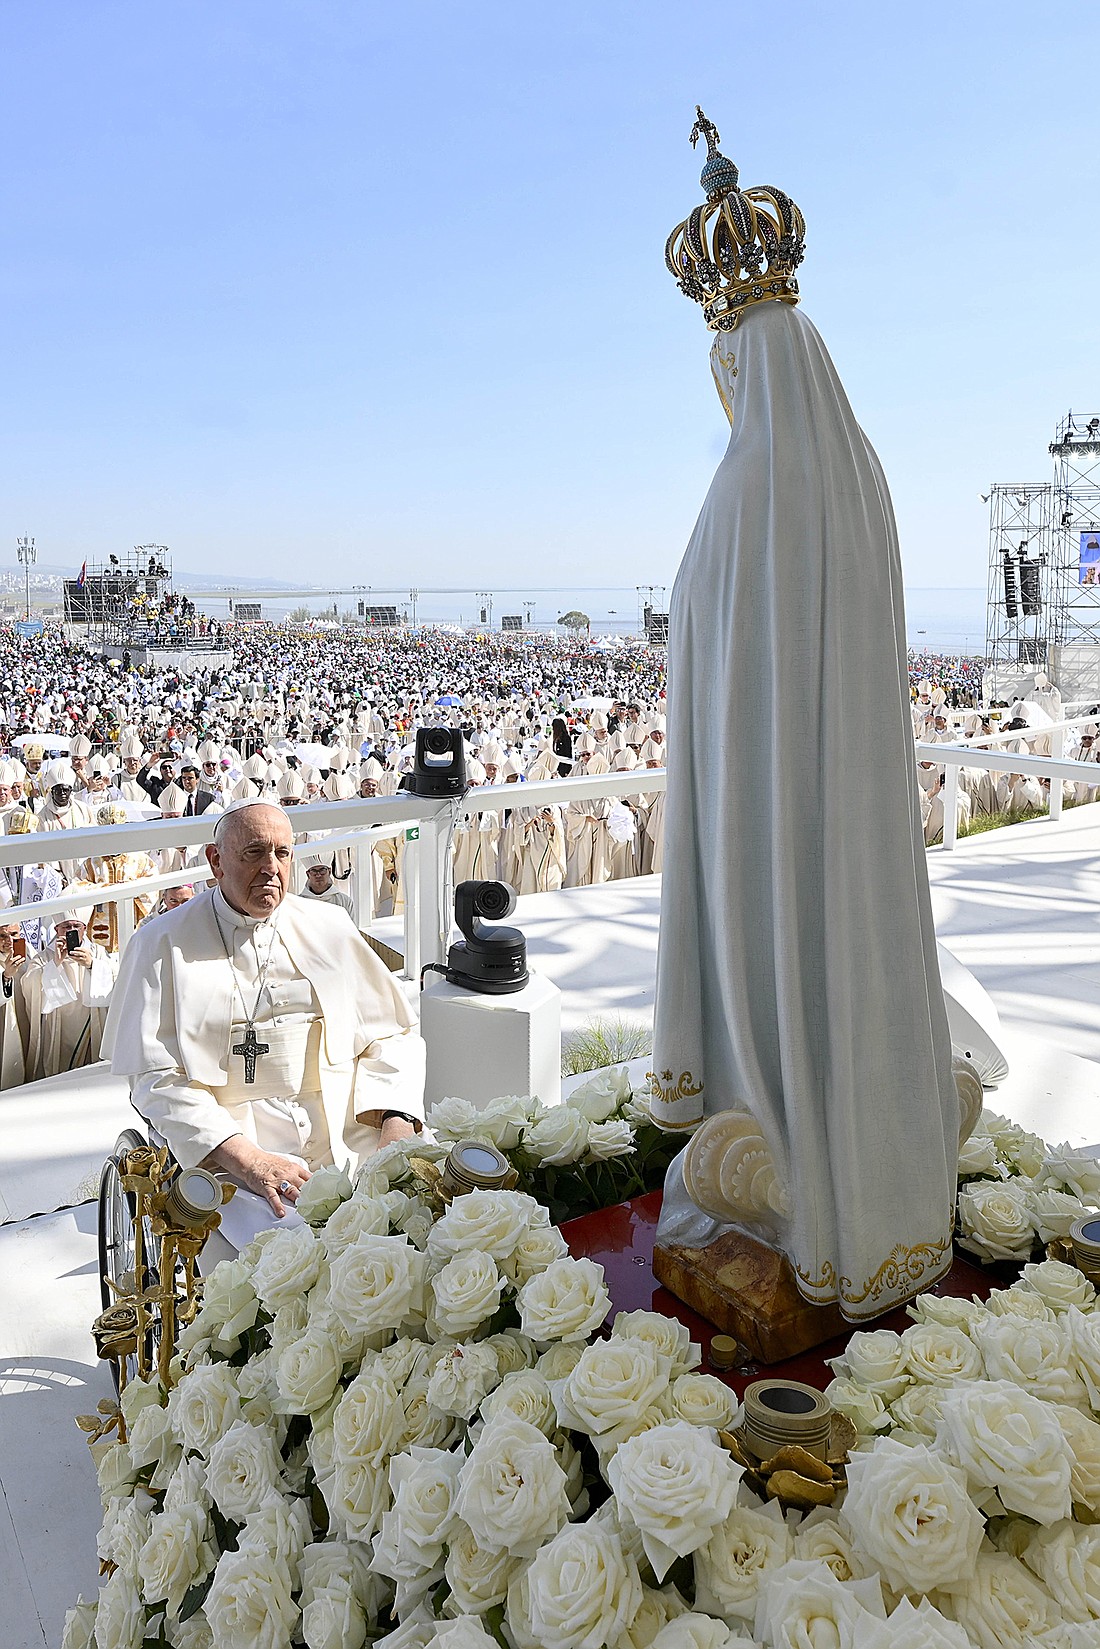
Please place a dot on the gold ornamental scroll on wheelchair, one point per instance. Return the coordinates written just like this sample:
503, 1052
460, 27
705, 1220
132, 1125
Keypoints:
154, 1220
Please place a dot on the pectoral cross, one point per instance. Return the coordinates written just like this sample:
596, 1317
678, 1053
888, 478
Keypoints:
249, 1050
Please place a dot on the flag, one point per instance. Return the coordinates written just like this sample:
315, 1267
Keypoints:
83, 571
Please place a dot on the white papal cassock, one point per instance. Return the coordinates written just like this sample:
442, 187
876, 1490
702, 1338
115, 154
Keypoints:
342, 1046
797, 975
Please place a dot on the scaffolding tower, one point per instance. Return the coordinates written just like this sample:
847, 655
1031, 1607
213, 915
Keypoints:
1043, 604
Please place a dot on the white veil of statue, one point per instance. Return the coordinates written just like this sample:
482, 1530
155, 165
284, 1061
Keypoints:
798, 992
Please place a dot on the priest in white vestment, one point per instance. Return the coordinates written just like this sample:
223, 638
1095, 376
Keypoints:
798, 1003
66, 989
261, 1034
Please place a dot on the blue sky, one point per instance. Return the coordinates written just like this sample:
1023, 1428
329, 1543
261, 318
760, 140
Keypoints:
337, 290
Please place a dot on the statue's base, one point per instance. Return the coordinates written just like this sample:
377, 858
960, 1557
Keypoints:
746, 1289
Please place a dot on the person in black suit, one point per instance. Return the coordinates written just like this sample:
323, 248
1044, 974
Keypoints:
197, 800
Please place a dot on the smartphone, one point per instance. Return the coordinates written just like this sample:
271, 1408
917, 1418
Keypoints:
19, 949
72, 940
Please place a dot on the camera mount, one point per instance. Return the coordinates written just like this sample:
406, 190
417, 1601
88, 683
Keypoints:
492, 960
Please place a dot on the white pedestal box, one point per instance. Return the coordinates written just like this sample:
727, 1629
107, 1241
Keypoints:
484, 1047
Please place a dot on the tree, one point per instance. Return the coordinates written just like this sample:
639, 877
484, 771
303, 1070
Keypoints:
301, 615
575, 620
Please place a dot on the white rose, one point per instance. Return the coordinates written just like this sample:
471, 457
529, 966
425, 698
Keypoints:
1023, 1152
79, 1631
1059, 1286
460, 1380
321, 1195
425, 1427
333, 1619
609, 1139
1066, 1557
288, 1266
674, 1483
978, 1156
512, 1493
558, 1138
120, 1617
559, 1361
996, 1220
503, 1120
463, 1632
614, 1382
491, 1221
803, 1603
282, 1528
478, 1578
1018, 1301
526, 1395
193, 1633
308, 1373
203, 1405
249, 1604
415, 1633
243, 1470
327, 1563
918, 1409
410, 1545
580, 1592
865, 1409
567, 1301
602, 1094
737, 1556
702, 1400
1068, 1170
351, 1346
453, 1119
945, 1309
939, 1355
376, 1284
875, 1360
514, 1351
667, 1337
1032, 1355
360, 1216
289, 1322
1005, 1439
822, 1537
368, 1419
909, 1627
178, 1553
1054, 1212
1002, 1605
125, 1530
910, 1513
465, 1293
1083, 1348
150, 1436
1083, 1436
357, 1494
692, 1631
187, 1486
229, 1302
534, 1252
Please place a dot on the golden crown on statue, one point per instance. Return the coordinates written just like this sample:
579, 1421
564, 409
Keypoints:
741, 248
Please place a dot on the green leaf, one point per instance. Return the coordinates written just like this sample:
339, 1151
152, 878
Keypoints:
195, 1597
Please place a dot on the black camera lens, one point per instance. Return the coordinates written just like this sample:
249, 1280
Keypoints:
437, 741
493, 900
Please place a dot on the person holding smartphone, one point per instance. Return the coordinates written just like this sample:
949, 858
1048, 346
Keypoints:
13, 1027
66, 989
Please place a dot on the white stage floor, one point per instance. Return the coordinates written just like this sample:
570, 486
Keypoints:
1019, 907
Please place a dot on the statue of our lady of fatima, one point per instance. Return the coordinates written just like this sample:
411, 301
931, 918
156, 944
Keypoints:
799, 1007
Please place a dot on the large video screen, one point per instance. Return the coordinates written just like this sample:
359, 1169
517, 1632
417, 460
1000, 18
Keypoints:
1088, 565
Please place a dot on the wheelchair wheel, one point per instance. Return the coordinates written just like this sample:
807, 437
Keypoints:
117, 1249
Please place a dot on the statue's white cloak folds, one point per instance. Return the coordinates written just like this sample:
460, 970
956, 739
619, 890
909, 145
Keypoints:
797, 975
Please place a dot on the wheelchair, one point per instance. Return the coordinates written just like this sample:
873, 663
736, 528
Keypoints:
153, 1222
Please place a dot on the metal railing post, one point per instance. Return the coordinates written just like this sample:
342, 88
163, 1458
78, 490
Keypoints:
126, 914
362, 885
1057, 751
950, 794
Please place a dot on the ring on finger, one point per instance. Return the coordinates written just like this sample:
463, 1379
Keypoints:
284, 1186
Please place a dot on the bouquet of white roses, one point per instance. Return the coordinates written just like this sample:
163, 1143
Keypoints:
1017, 1194
598, 1147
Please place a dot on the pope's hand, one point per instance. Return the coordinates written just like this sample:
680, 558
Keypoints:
263, 1172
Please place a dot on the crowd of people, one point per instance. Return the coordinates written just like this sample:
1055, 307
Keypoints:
308, 715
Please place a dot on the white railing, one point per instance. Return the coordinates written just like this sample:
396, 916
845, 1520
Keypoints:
426, 823
974, 754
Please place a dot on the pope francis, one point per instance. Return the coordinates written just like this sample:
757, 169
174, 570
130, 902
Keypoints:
262, 1036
